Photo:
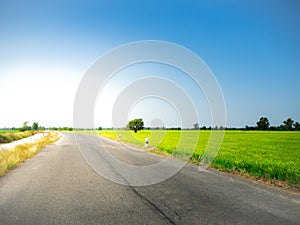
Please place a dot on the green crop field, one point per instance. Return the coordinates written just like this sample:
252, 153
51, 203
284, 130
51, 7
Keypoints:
8, 131
272, 155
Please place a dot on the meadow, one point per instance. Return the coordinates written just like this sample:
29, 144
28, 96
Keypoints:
270, 155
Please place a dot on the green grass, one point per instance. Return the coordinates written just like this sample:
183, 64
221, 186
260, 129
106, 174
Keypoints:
8, 131
10, 159
271, 155
6, 137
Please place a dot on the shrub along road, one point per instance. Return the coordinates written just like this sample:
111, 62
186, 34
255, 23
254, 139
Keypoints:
26, 140
57, 186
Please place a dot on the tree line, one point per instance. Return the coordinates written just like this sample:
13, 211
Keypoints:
137, 124
264, 124
34, 126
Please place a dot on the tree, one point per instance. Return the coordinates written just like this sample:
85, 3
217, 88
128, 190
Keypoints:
288, 124
25, 126
196, 126
263, 123
35, 126
203, 128
297, 126
136, 124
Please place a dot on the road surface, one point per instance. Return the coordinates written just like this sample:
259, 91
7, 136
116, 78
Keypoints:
58, 186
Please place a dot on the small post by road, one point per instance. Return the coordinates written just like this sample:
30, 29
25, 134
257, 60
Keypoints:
119, 137
146, 142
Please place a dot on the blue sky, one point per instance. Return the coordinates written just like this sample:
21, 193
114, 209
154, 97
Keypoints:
251, 46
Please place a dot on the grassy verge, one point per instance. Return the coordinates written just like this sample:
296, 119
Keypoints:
10, 159
272, 156
6, 137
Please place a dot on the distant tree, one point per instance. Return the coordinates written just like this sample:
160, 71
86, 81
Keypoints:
35, 126
196, 126
136, 124
297, 126
263, 123
25, 126
203, 128
288, 124
99, 128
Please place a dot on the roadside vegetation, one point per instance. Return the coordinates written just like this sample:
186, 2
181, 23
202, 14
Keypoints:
9, 135
6, 137
10, 159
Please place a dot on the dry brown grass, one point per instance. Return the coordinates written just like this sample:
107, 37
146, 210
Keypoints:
10, 159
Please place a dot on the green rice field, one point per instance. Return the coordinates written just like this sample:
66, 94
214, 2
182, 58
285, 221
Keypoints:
266, 154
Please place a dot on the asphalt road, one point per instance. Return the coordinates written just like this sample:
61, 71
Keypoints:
60, 185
